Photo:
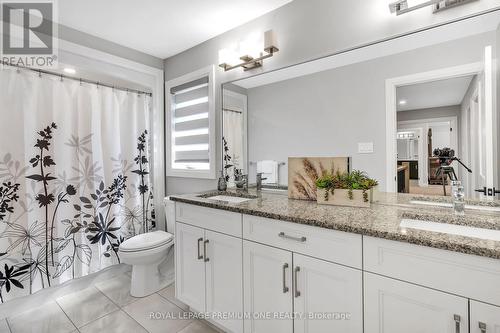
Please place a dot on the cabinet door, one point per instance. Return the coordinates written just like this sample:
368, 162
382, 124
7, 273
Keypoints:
393, 306
267, 279
484, 318
189, 266
327, 297
224, 272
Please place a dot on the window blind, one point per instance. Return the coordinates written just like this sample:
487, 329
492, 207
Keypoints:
190, 128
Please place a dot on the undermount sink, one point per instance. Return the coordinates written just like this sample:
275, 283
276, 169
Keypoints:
229, 198
450, 205
452, 229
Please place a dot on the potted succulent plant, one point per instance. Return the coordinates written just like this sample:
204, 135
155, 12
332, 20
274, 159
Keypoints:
353, 189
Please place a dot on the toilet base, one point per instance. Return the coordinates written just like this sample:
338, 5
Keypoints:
146, 280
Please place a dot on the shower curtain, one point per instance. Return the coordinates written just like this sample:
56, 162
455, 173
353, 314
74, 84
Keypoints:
75, 180
233, 136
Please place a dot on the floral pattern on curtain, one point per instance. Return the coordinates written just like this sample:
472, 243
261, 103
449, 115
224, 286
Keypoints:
74, 178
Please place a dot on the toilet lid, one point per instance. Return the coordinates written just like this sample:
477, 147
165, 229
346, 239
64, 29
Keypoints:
146, 241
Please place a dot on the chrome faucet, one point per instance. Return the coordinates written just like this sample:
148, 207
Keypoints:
245, 182
259, 181
240, 179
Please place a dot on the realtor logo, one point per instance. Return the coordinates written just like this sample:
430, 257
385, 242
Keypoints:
28, 33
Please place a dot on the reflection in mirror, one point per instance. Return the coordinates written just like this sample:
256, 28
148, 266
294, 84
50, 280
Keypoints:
430, 127
425, 105
234, 138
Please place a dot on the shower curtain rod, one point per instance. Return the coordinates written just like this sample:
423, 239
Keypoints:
79, 79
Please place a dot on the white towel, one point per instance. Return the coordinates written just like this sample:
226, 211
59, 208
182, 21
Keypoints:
269, 170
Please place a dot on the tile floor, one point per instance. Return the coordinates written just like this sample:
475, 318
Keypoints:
106, 307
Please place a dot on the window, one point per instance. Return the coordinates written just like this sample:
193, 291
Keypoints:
191, 125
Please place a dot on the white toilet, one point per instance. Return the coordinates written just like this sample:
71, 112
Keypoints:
145, 253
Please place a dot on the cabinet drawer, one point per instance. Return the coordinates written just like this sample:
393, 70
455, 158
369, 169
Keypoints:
336, 246
460, 274
208, 218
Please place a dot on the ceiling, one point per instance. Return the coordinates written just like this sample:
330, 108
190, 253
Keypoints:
433, 94
161, 28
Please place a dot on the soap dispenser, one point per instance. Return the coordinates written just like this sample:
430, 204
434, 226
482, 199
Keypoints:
222, 185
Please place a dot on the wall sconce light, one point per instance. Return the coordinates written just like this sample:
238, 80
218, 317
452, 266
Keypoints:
401, 6
248, 54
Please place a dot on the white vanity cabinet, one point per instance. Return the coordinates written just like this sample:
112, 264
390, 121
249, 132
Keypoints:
267, 276
484, 318
393, 306
331, 292
189, 265
286, 277
325, 297
224, 278
209, 273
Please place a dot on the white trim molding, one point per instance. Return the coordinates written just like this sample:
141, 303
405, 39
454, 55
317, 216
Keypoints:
203, 174
391, 86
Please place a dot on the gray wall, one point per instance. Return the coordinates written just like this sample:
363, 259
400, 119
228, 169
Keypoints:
444, 111
328, 113
84, 39
307, 29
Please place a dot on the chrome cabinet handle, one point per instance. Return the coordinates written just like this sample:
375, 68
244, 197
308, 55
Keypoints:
482, 327
205, 250
457, 323
296, 278
285, 288
298, 239
200, 256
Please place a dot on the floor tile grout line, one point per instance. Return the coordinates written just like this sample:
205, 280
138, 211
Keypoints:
126, 313
102, 292
71, 321
162, 297
120, 308
118, 305
8, 325
100, 317
165, 298
93, 321
94, 287
169, 301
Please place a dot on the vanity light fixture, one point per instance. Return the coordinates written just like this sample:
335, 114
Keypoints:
401, 6
227, 57
403, 102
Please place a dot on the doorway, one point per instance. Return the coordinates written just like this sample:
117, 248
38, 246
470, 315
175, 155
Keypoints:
476, 114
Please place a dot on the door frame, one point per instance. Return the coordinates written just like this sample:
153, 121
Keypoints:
423, 158
391, 86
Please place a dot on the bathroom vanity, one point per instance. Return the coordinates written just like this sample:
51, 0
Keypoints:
337, 269
405, 265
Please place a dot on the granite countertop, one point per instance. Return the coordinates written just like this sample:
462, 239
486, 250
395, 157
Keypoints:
381, 220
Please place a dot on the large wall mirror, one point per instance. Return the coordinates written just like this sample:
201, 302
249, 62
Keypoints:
413, 112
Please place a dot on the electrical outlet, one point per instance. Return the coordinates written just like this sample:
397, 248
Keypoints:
365, 147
